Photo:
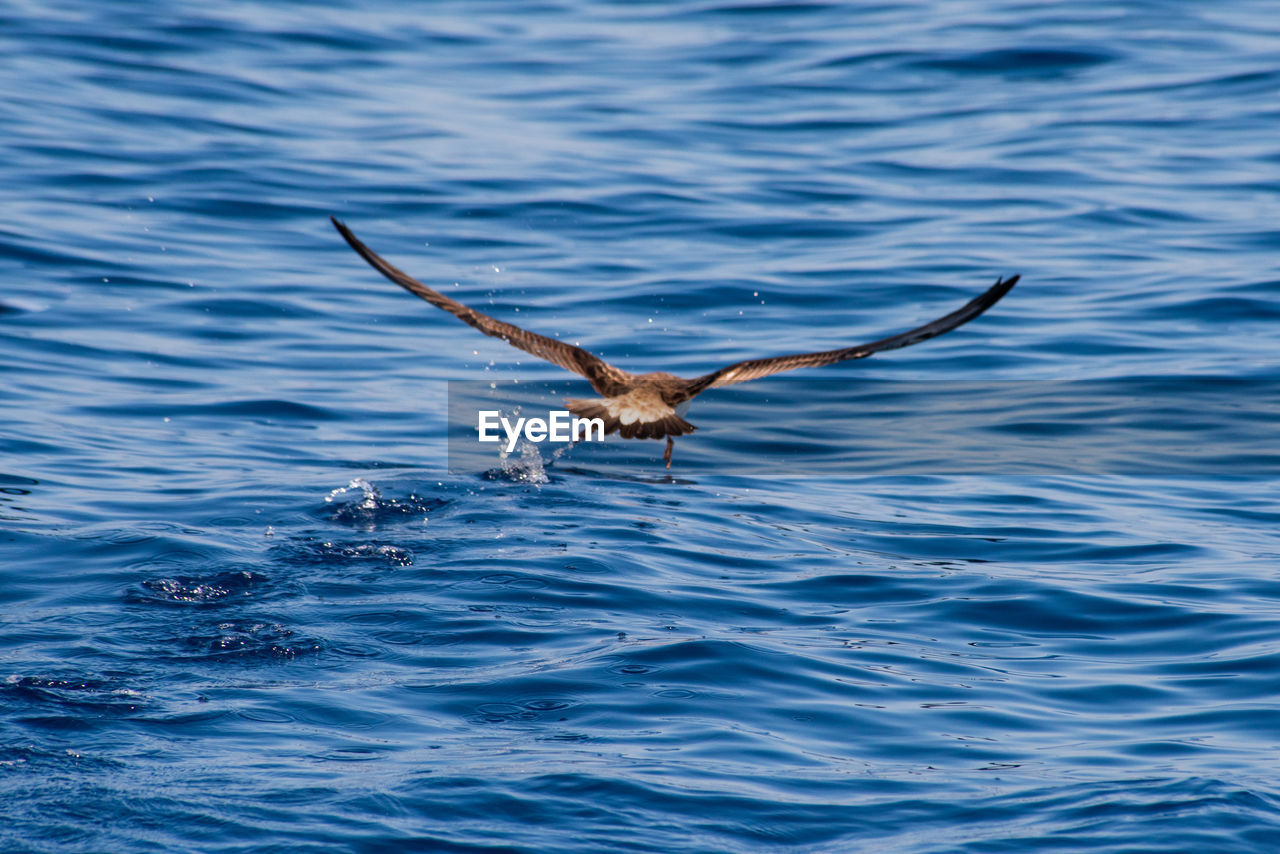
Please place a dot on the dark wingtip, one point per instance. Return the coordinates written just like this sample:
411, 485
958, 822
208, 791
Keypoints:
355, 243
998, 290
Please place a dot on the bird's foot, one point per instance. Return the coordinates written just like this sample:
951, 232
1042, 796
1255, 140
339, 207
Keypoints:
666, 457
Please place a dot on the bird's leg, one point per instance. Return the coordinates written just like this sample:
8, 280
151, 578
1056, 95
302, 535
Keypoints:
671, 443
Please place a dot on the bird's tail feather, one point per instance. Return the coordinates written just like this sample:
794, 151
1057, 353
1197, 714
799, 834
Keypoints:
658, 428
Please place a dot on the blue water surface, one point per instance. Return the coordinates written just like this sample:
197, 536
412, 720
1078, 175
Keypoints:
245, 606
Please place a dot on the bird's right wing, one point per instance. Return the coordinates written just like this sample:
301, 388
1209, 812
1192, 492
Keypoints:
604, 378
751, 369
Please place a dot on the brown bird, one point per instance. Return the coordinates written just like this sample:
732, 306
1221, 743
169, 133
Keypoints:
648, 406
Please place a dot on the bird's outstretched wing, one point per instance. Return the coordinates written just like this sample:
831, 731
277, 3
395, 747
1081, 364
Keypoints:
755, 368
604, 378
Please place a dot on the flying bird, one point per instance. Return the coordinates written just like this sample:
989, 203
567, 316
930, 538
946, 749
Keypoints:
649, 406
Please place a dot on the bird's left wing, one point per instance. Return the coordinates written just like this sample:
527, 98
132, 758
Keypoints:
605, 378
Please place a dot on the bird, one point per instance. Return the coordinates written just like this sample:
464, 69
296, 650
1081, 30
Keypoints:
651, 406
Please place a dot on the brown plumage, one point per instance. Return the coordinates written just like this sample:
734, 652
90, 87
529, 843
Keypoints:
644, 406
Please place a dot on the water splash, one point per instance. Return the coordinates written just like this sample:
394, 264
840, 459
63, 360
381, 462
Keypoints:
370, 509
525, 466
529, 466
371, 494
